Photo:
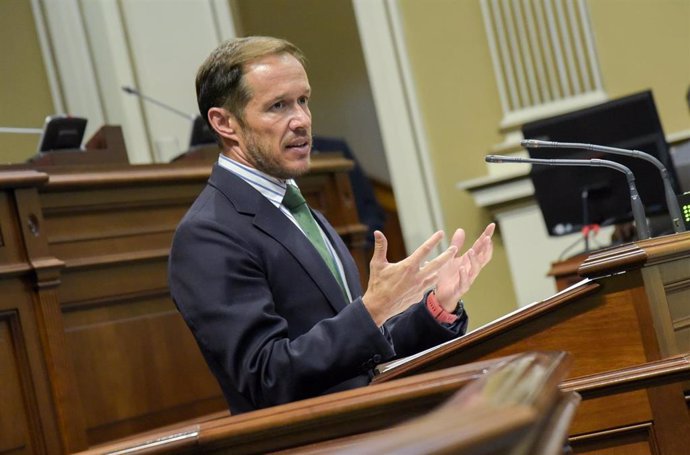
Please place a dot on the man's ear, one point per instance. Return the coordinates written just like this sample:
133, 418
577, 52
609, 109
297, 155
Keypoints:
223, 122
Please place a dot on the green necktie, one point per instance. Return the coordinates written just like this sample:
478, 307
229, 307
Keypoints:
295, 202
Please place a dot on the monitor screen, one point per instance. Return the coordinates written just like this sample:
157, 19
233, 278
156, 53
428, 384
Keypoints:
570, 197
62, 132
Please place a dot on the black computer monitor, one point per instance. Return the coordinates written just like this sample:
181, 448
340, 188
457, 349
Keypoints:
62, 132
630, 122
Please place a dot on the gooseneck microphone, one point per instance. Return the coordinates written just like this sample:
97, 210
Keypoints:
635, 201
135, 92
671, 199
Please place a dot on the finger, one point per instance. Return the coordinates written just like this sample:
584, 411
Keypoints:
487, 253
439, 261
423, 251
475, 265
464, 280
380, 249
484, 250
483, 242
458, 238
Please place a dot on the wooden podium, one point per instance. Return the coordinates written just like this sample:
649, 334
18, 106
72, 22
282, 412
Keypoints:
91, 346
631, 310
505, 402
633, 401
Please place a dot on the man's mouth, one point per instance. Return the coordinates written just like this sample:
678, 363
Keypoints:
301, 145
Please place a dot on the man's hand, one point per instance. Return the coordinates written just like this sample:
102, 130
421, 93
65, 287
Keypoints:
456, 277
392, 285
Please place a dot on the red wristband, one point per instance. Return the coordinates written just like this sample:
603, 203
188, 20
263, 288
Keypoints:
437, 310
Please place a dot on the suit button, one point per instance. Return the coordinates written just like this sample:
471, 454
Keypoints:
377, 358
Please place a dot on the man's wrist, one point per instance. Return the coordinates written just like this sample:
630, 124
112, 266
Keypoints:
439, 313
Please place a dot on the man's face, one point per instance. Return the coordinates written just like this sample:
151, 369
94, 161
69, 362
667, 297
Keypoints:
276, 133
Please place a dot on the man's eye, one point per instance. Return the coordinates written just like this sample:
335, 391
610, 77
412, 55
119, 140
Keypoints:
277, 106
304, 100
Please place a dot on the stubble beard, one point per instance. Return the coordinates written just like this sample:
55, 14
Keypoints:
266, 162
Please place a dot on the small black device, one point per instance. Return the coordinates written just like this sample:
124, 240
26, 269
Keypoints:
684, 203
62, 132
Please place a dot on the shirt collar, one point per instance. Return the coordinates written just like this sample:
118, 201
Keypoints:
270, 187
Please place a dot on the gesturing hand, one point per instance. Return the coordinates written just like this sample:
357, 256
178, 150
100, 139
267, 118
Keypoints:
458, 274
391, 285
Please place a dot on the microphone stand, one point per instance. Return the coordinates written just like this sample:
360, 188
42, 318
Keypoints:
635, 201
10, 129
135, 92
671, 198
584, 195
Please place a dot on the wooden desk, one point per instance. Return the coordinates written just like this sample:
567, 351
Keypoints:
631, 314
91, 346
314, 424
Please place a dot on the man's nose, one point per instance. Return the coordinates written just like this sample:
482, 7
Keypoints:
301, 118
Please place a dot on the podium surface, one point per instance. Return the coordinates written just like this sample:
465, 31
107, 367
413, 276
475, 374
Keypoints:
630, 309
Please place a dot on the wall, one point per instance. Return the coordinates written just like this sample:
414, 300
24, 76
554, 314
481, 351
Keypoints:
646, 44
457, 93
641, 44
24, 92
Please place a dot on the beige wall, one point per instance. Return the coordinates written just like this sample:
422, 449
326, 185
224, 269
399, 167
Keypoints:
642, 44
461, 110
646, 44
25, 98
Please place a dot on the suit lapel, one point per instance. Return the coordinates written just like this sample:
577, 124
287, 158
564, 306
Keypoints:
270, 220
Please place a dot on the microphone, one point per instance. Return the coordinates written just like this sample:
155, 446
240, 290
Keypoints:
671, 198
135, 92
635, 201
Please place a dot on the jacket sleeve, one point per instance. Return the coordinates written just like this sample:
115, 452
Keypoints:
416, 329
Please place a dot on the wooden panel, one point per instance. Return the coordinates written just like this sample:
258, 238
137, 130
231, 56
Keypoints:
677, 287
635, 440
138, 367
85, 225
17, 432
504, 413
611, 411
118, 279
27, 420
11, 253
645, 397
315, 419
601, 331
348, 415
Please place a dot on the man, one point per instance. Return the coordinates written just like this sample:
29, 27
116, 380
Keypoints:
273, 301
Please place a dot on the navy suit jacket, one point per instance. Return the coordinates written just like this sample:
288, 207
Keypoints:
266, 312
